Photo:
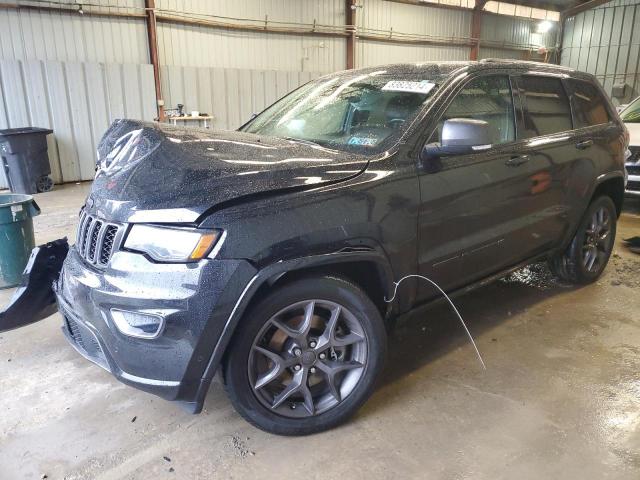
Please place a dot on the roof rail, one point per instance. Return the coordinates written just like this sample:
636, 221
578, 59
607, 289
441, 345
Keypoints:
526, 62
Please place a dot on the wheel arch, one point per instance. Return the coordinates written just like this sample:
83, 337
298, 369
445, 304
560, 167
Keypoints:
371, 275
275, 274
611, 185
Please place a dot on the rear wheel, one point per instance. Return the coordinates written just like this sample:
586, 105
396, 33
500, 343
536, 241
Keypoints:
307, 356
44, 184
586, 257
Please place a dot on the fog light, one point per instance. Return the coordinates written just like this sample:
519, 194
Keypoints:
137, 324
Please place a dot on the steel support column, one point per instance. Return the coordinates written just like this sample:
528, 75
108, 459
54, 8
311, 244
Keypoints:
476, 28
150, 6
350, 13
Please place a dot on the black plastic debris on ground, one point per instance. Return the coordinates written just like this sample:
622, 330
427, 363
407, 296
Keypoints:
633, 244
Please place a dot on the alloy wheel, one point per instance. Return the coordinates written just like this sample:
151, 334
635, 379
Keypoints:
307, 358
597, 240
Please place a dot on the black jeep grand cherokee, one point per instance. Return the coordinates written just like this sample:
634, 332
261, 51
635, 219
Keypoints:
269, 252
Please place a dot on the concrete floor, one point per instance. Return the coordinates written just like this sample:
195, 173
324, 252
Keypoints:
560, 397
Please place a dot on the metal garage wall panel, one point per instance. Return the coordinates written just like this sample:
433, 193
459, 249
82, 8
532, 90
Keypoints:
241, 49
270, 88
148, 92
231, 95
371, 53
62, 121
491, 52
514, 30
38, 104
327, 12
78, 101
253, 50
81, 120
244, 95
13, 87
232, 85
605, 41
132, 91
585, 41
66, 36
220, 106
383, 16
115, 90
98, 106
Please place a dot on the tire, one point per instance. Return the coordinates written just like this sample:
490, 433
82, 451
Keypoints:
44, 184
288, 392
596, 234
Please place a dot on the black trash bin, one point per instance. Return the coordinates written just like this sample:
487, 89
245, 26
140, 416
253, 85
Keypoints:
25, 160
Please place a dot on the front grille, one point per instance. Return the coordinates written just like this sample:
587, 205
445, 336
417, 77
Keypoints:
633, 169
86, 341
96, 239
635, 155
633, 185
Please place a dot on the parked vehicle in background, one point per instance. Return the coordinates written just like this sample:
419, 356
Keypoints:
631, 117
268, 253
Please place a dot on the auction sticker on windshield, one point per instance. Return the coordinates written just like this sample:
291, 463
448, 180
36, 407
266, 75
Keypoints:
423, 87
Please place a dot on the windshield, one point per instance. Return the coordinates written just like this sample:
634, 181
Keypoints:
631, 114
355, 113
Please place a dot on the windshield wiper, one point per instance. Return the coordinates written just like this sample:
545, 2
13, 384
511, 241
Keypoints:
306, 142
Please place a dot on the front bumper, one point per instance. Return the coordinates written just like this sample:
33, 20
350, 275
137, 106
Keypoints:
195, 300
633, 179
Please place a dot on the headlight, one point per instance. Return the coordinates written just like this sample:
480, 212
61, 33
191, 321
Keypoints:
169, 244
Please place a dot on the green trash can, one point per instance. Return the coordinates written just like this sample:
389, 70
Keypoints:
16, 236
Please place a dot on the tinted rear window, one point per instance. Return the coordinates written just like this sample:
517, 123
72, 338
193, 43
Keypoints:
545, 106
589, 106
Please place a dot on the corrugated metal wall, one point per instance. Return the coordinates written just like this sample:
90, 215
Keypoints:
371, 53
78, 101
66, 37
499, 30
202, 46
605, 41
378, 16
231, 95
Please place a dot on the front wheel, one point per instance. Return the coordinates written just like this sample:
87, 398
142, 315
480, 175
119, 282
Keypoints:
586, 257
306, 357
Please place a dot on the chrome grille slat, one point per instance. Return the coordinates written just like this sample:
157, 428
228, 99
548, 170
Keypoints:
85, 234
96, 239
107, 244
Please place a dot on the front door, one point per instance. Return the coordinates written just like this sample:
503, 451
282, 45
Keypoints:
470, 204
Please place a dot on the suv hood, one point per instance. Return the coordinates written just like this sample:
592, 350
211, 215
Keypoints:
151, 172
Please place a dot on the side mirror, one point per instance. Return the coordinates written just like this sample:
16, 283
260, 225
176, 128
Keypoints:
460, 136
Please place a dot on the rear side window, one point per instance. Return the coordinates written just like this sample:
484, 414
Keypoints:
589, 106
545, 106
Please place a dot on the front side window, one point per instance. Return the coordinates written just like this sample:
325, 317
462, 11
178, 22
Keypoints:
545, 106
488, 99
631, 114
362, 113
589, 107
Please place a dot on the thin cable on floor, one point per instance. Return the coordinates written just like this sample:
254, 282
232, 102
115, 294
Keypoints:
395, 290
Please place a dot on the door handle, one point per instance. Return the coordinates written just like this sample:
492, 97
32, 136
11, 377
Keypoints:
584, 144
515, 161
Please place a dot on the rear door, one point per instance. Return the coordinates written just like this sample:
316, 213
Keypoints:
545, 128
595, 134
